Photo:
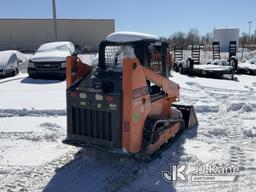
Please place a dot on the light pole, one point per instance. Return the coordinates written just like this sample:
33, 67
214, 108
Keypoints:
250, 24
54, 20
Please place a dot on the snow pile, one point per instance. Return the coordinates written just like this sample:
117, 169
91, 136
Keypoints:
241, 106
22, 57
31, 112
51, 132
251, 55
248, 65
250, 132
88, 58
202, 107
218, 132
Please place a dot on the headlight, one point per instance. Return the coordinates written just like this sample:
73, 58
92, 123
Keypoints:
63, 64
31, 65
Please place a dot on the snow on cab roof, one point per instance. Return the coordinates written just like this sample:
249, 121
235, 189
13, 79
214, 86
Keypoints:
57, 45
126, 36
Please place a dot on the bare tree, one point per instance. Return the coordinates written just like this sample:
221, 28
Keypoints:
193, 37
177, 39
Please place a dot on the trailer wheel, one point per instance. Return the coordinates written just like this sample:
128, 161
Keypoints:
180, 69
220, 75
13, 73
252, 72
175, 67
233, 62
239, 71
16, 72
233, 76
189, 65
10, 74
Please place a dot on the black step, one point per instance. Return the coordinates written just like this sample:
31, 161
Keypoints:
195, 54
178, 54
216, 50
232, 49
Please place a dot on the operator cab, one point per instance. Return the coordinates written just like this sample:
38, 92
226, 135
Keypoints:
111, 105
106, 77
148, 49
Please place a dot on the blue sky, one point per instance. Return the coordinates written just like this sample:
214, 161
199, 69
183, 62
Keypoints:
160, 17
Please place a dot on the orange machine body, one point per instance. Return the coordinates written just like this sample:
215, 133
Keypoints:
137, 104
126, 102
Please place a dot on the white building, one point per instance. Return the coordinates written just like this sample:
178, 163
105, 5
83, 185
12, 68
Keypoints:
224, 36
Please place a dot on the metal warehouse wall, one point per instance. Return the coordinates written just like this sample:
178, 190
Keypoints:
28, 34
224, 36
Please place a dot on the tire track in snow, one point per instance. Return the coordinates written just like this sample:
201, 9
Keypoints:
237, 151
235, 133
228, 116
31, 112
34, 178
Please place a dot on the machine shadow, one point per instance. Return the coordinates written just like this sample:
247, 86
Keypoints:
29, 80
5, 79
101, 171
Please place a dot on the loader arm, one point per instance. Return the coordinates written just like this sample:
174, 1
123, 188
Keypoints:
170, 88
136, 100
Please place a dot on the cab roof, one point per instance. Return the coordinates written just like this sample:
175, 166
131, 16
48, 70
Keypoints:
126, 36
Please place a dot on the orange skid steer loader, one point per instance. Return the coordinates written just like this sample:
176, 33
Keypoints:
125, 103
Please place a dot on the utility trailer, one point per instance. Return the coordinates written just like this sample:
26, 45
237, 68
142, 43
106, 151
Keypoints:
232, 57
247, 67
180, 65
178, 57
218, 68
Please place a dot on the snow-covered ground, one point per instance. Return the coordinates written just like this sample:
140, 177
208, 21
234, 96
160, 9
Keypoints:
227, 114
33, 124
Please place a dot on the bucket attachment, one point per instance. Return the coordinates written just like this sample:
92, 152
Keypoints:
188, 115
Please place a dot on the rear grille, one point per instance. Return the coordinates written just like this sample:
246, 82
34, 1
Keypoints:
48, 66
92, 123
